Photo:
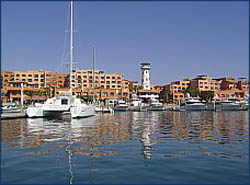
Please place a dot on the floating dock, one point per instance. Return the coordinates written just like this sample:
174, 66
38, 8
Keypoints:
13, 115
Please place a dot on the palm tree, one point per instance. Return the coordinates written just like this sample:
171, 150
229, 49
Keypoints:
210, 96
165, 95
207, 96
192, 91
135, 89
30, 93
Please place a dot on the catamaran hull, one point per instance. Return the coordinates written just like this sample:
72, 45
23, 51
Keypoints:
82, 111
34, 112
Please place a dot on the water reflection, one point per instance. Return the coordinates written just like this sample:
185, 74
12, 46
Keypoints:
104, 135
95, 135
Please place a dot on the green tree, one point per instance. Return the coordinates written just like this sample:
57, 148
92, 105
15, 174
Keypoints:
165, 95
135, 88
210, 96
192, 91
31, 94
207, 96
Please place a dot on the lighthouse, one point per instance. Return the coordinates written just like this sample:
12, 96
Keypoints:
145, 81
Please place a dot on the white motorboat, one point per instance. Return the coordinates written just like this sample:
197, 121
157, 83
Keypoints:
136, 104
230, 104
155, 105
121, 106
59, 105
103, 108
192, 104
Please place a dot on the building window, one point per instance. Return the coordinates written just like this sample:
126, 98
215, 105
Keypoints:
113, 77
111, 94
105, 94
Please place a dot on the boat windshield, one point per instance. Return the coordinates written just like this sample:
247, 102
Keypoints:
64, 101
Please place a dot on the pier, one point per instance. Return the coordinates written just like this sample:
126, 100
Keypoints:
13, 115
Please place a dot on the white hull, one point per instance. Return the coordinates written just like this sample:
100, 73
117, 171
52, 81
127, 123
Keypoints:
138, 108
156, 108
229, 107
104, 109
194, 107
35, 112
120, 108
82, 111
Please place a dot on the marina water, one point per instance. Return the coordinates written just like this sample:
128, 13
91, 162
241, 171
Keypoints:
128, 147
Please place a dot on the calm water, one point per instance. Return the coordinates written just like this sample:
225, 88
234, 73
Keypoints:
128, 147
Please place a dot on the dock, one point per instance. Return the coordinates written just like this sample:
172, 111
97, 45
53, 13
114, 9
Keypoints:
12, 115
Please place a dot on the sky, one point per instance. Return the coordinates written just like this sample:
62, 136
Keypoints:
179, 39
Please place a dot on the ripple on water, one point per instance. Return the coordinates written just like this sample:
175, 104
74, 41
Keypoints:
129, 147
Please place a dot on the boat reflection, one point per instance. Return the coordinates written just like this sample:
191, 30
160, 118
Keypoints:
96, 135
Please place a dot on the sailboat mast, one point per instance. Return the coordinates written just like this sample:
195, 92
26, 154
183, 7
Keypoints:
93, 74
71, 47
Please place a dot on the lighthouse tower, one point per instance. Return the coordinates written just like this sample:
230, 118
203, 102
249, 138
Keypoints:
145, 81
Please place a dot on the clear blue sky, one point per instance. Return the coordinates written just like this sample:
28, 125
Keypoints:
180, 39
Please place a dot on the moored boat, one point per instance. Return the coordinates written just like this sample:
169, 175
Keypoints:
121, 106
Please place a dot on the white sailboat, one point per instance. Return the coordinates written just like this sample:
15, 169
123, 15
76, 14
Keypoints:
61, 104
